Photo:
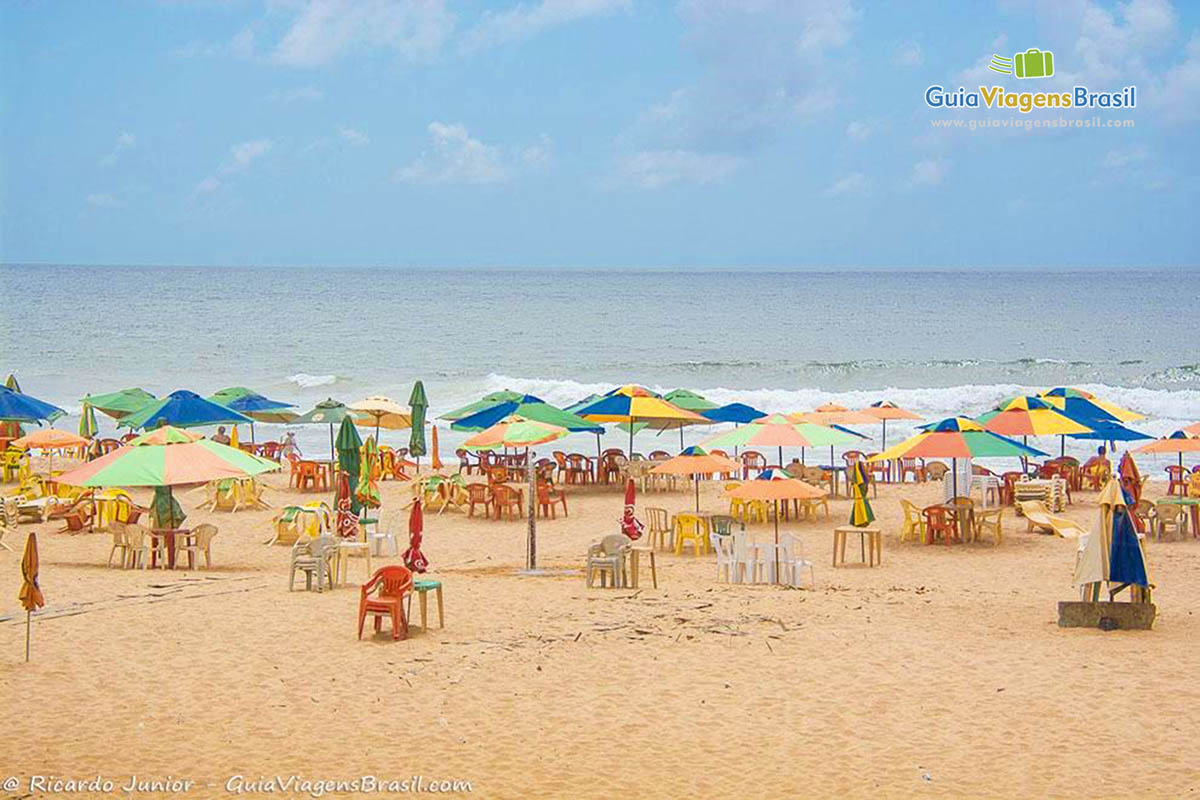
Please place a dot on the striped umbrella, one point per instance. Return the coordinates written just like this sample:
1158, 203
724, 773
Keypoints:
780, 431
861, 513
633, 404
515, 431
87, 422
1027, 416
167, 456
955, 438
485, 402
367, 491
1077, 403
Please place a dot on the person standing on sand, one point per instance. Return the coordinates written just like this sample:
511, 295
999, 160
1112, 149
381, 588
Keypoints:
290, 446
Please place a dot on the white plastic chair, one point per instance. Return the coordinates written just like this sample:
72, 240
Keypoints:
384, 542
728, 563
792, 562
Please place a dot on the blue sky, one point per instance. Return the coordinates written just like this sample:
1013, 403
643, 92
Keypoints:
588, 133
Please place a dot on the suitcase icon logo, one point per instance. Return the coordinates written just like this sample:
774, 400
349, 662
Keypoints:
1033, 63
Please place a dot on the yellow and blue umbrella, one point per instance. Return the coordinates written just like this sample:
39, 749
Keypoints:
87, 422
861, 513
633, 404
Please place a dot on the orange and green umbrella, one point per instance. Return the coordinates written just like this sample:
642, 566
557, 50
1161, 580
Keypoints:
485, 402
778, 430
515, 431
120, 403
167, 456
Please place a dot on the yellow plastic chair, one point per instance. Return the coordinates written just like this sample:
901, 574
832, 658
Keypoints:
914, 522
691, 528
810, 506
658, 528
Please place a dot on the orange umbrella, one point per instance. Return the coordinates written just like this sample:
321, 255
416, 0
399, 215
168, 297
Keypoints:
1178, 442
775, 489
1193, 429
695, 461
31, 594
437, 457
50, 439
883, 410
832, 414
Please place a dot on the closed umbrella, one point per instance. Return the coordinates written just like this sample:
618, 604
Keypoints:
12, 383
436, 460
31, 593
367, 491
861, 514
349, 445
1112, 553
419, 405
414, 559
631, 526
87, 422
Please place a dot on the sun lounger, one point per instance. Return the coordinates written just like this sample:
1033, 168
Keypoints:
1038, 516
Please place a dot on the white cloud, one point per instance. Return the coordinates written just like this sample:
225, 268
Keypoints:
305, 94
101, 201
240, 46
455, 157
929, 172
327, 29
124, 142
242, 155
908, 54
354, 137
523, 21
858, 131
206, 186
655, 169
540, 154
853, 185
1124, 156
1178, 94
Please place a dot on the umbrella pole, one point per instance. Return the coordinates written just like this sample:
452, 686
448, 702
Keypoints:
885, 434
251, 433
696, 478
598, 458
1062, 449
781, 456
28, 615
631, 438
332, 457
681, 438
776, 541
531, 550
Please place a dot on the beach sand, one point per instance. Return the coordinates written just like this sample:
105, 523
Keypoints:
941, 673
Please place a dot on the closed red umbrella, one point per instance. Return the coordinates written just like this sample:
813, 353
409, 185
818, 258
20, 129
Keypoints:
414, 559
631, 526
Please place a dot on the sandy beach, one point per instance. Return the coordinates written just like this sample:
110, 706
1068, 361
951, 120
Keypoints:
940, 673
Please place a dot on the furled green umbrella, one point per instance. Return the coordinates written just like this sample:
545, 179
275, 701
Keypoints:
121, 402
487, 401
328, 411
349, 445
418, 403
366, 492
87, 422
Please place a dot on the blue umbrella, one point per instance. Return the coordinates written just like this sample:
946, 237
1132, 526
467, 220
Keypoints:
1110, 432
527, 406
19, 407
739, 413
183, 409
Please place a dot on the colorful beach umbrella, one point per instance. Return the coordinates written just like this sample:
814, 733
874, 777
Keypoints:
515, 431
687, 399
255, 406
419, 404
1194, 428
18, 407
529, 407
349, 447
327, 412
30, 594
1066, 398
487, 401
1178, 442
631, 403
181, 409
884, 410
955, 438
694, 462
861, 513
120, 403
778, 430
383, 412
87, 422
1029, 416
167, 456
1131, 483
833, 414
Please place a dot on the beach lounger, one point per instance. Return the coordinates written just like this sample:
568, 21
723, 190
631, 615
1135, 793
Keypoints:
1038, 516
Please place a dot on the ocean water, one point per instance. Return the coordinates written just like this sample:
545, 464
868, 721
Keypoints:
938, 342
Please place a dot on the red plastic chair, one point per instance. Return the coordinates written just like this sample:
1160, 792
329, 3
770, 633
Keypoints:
507, 502
1177, 479
939, 522
752, 461
478, 495
393, 583
548, 498
908, 466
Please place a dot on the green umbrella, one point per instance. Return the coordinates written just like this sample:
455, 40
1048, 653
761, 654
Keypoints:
120, 403
418, 403
87, 422
529, 407
366, 492
689, 400
328, 411
348, 446
487, 401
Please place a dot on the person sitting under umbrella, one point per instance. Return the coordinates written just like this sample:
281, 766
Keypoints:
221, 436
